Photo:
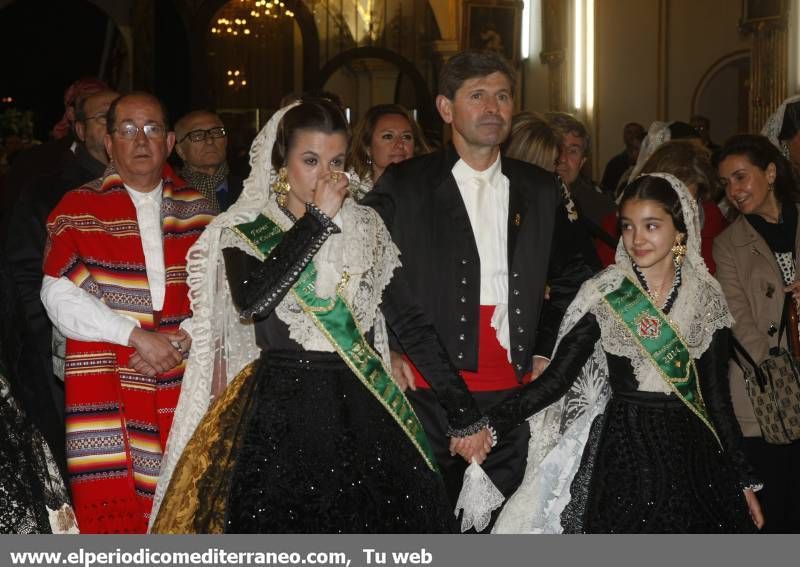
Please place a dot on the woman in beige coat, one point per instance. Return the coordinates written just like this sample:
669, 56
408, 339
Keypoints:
756, 259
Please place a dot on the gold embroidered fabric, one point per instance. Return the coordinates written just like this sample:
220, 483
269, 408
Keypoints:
196, 495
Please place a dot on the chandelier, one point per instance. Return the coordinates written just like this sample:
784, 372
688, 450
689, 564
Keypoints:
245, 17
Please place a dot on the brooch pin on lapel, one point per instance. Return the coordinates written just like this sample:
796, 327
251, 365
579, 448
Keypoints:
517, 219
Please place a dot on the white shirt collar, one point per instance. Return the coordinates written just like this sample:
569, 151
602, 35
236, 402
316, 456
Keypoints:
492, 174
140, 198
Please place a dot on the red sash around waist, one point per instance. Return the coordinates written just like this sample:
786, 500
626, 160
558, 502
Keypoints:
494, 372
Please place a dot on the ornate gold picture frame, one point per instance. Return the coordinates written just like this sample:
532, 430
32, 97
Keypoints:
494, 25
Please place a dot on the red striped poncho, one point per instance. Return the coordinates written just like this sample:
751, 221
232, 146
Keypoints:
117, 420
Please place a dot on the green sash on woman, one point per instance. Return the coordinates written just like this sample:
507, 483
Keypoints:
333, 317
656, 336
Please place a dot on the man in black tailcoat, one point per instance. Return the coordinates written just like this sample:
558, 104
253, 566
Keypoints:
480, 236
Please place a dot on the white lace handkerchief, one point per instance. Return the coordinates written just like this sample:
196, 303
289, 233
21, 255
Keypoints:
478, 498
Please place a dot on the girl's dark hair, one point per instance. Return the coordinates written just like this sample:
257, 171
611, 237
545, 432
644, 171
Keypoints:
316, 115
760, 152
650, 188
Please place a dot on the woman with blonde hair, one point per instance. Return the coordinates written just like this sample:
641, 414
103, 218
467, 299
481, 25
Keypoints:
533, 140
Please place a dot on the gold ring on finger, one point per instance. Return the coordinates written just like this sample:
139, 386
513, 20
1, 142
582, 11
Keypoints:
335, 176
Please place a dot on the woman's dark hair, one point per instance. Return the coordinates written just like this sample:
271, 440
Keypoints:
791, 121
316, 115
358, 157
651, 188
760, 152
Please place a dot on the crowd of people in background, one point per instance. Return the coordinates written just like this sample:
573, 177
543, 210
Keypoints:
359, 333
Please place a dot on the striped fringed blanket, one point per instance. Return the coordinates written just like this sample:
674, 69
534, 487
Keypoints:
118, 420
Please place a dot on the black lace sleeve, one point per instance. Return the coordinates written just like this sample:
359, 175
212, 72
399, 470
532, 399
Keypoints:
712, 369
573, 352
257, 287
419, 340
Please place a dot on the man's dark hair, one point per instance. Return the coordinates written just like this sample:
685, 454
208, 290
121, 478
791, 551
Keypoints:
683, 131
469, 65
111, 115
699, 118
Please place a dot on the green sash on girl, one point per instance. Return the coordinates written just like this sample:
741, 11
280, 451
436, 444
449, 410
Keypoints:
655, 335
335, 320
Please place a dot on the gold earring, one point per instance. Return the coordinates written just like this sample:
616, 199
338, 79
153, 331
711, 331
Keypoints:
678, 250
281, 187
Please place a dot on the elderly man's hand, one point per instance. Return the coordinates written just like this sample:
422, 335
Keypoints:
155, 351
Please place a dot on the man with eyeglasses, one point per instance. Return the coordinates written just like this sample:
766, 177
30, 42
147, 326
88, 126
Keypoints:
202, 145
115, 285
25, 251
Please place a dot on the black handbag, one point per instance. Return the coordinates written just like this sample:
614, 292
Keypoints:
773, 388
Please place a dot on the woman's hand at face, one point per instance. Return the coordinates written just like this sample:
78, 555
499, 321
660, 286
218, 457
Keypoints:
330, 192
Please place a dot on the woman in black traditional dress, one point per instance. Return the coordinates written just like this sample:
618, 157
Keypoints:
637, 433
315, 436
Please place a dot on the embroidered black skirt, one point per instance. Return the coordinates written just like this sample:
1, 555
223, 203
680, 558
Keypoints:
652, 466
319, 454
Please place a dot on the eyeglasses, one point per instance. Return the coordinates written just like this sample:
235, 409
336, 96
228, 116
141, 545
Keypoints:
129, 131
200, 135
100, 117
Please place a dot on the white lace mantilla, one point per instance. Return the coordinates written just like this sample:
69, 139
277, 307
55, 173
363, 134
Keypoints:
774, 124
657, 135
559, 432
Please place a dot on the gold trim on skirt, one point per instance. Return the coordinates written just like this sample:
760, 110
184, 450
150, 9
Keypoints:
196, 498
